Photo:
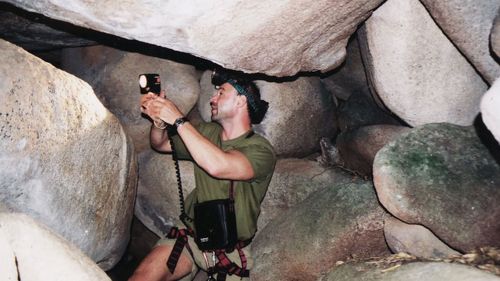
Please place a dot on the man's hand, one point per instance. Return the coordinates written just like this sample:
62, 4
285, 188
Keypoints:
146, 102
159, 108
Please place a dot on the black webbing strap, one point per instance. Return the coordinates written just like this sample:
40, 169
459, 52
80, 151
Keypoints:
181, 236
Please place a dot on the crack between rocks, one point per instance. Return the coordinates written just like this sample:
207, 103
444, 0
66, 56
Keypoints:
352, 172
17, 268
319, 174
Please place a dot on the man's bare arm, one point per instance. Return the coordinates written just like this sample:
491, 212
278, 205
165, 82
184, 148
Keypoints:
159, 139
218, 163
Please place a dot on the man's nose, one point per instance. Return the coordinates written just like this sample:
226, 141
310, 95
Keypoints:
212, 101
213, 98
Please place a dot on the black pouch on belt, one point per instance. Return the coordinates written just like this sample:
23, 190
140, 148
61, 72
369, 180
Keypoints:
215, 225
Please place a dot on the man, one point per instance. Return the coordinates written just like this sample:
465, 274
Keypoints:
224, 151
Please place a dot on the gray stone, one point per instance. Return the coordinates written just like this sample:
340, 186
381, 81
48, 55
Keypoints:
293, 181
490, 105
276, 38
157, 204
33, 252
357, 148
207, 91
300, 113
64, 159
428, 271
415, 70
415, 240
114, 76
442, 177
468, 24
332, 224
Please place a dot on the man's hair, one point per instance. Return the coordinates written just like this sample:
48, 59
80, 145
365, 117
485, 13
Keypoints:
257, 107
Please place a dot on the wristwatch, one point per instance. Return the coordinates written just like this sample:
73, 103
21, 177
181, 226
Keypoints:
180, 121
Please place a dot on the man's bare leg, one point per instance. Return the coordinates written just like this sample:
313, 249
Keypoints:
154, 266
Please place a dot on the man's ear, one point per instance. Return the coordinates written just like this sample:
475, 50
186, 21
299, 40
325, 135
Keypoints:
242, 101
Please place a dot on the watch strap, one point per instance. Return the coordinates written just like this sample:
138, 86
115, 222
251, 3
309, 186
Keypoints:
180, 121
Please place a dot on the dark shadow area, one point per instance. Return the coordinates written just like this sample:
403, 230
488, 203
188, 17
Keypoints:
22, 28
141, 242
487, 138
492, 52
491, 38
124, 268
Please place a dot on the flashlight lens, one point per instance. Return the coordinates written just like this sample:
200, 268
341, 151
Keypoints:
143, 81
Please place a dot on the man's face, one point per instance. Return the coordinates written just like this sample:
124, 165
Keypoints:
223, 102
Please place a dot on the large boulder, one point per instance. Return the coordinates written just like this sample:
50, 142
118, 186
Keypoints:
442, 177
332, 224
293, 181
415, 240
468, 24
300, 113
358, 147
32, 252
490, 105
64, 159
415, 70
114, 73
417, 271
157, 204
276, 38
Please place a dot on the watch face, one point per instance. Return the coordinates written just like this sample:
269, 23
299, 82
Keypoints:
180, 121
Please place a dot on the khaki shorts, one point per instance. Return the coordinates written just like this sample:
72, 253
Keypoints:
198, 258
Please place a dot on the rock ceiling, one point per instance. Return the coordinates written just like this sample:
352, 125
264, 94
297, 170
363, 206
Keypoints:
273, 37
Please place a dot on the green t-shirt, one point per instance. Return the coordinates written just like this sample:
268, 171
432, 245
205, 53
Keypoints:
248, 195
